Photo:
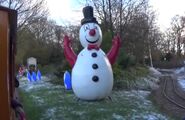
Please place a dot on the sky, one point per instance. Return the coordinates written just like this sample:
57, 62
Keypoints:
166, 10
65, 11
70, 11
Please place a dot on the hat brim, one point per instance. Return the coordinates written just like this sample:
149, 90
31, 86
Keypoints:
89, 20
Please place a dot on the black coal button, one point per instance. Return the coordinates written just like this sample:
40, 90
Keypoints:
95, 66
95, 78
94, 54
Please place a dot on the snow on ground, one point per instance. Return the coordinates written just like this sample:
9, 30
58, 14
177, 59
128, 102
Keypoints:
154, 71
49, 113
36, 85
180, 73
138, 98
181, 81
179, 70
151, 116
118, 117
149, 82
132, 105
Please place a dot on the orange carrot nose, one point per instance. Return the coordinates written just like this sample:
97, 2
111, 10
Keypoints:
92, 32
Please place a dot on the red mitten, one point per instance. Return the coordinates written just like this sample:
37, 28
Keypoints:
67, 41
117, 40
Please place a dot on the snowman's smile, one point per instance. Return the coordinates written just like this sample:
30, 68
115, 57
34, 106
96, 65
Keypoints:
92, 41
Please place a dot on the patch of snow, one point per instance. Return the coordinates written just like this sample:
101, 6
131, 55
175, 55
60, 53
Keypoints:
37, 85
117, 117
152, 83
38, 100
182, 83
102, 109
139, 99
49, 114
148, 116
179, 70
80, 113
155, 72
137, 96
138, 93
147, 83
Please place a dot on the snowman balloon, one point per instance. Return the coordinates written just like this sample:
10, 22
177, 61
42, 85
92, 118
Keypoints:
92, 76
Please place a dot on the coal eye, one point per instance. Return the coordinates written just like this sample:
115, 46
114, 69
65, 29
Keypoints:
86, 28
95, 27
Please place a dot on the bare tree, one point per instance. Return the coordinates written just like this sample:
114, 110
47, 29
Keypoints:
27, 9
176, 33
133, 20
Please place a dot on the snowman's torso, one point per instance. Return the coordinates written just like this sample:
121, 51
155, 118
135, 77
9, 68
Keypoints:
92, 76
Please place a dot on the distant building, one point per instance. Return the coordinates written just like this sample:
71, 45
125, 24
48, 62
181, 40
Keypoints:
33, 73
31, 61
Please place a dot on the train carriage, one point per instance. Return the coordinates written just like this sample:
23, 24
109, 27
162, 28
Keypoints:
8, 27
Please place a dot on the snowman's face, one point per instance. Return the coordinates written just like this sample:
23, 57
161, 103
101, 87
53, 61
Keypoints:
90, 33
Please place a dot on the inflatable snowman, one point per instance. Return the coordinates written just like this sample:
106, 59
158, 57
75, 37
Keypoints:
92, 76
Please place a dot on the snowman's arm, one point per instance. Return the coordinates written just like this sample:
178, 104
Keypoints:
68, 51
113, 53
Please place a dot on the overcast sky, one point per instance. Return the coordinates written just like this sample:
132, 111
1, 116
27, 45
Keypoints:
65, 11
166, 9
70, 11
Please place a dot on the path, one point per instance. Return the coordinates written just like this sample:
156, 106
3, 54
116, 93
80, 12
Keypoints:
170, 96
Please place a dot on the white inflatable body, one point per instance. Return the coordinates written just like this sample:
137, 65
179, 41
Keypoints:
92, 77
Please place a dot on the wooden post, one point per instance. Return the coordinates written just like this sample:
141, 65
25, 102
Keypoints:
4, 67
8, 22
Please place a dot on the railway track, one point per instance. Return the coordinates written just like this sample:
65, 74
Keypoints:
175, 97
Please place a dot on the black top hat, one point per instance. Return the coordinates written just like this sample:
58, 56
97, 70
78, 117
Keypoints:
88, 15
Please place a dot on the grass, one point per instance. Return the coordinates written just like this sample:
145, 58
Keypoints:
133, 73
45, 101
34, 112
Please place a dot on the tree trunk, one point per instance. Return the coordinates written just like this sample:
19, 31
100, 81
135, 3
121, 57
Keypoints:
120, 18
110, 18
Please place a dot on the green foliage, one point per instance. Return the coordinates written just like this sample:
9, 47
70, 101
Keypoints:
34, 43
168, 56
56, 56
125, 60
57, 80
46, 69
42, 54
65, 66
106, 41
117, 71
129, 76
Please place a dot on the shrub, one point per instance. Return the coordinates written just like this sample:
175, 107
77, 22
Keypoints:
46, 69
129, 76
168, 64
117, 71
126, 61
168, 56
